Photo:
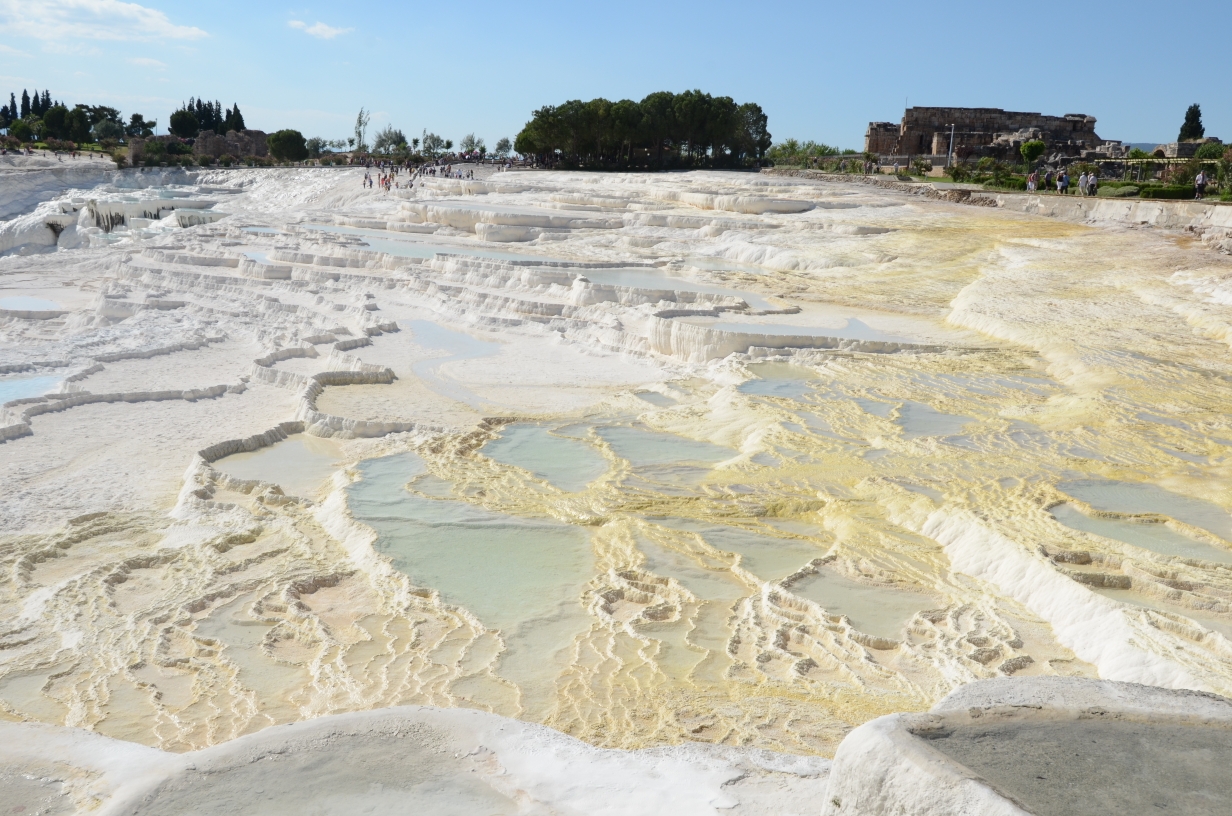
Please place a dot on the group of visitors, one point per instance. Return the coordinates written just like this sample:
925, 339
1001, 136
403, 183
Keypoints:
385, 180
1088, 183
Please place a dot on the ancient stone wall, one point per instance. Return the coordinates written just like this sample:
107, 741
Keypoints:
978, 131
234, 143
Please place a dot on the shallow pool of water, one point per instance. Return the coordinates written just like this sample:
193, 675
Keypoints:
779, 380
523, 576
259, 257
656, 399
1129, 497
24, 303
851, 329
708, 584
877, 610
646, 448
264, 230
768, 557
643, 278
1216, 623
565, 462
300, 465
14, 388
405, 246
917, 419
1154, 537
457, 346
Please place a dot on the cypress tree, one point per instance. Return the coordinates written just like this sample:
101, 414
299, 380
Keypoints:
12, 106
25, 104
1192, 128
46, 101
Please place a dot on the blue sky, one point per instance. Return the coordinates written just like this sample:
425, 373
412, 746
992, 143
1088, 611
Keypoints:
821, 70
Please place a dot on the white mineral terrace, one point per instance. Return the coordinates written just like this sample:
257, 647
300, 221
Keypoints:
662, 477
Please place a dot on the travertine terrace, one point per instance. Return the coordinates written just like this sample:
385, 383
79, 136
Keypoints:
646, 460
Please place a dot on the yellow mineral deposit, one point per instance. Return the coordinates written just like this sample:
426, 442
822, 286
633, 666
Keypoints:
647, 459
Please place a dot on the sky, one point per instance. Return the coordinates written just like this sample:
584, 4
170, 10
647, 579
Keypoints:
820, 70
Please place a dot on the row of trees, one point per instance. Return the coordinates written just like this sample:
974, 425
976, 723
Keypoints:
39, 118
197, 115
691, 129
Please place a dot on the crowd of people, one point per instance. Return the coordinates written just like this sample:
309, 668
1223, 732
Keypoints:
385, 174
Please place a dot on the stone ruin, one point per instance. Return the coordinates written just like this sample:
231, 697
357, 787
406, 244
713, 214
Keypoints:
239, 144
980, 132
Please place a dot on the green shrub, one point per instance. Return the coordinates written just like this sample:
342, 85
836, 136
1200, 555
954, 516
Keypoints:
205, 161
120, 157
1119, 191
226, 160
1007, 183
1211, 150
1175, 193
959, 172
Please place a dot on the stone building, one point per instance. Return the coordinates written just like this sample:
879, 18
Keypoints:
980, 132
235, 143
1182, 150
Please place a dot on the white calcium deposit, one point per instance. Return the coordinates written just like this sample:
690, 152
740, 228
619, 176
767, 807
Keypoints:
809, 467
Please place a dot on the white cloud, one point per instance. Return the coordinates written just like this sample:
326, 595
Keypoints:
318, 29
146, 62
57, 20
12, 52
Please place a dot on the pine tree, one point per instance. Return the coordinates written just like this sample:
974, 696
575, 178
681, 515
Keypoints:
234, 120
1192, 129
25, 104
46, 101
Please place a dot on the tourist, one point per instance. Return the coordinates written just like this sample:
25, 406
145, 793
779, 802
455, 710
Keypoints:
1032, 179
1200, 183
1092, 184
1082, 183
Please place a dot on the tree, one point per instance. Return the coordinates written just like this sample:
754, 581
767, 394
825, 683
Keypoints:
98, 113
1031, 151
288, 145
1192, 128
361, 130
107, 130
234, 120
415, 143
25, 104
316, 146
503, 148
21, 130
432, 144
448, 145
138, 125
77, 123
55, 122
184, 124
387, 140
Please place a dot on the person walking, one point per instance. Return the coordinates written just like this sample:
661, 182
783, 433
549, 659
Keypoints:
1200, 183
1092, 184
1082, 183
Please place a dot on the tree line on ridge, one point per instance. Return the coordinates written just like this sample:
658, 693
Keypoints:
663, 131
